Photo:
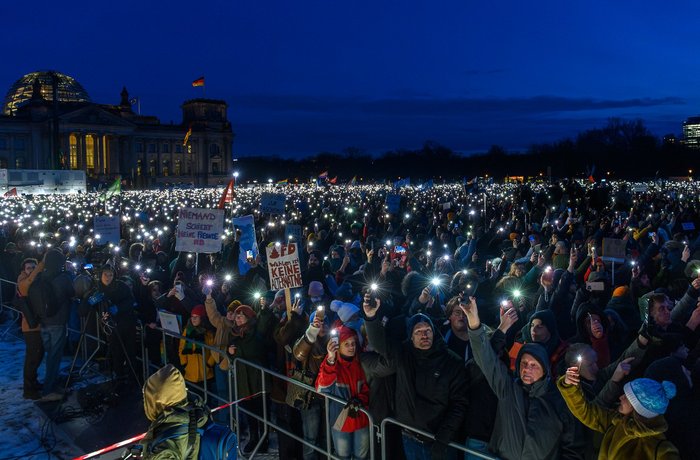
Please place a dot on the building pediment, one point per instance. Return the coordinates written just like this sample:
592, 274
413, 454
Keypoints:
94, 115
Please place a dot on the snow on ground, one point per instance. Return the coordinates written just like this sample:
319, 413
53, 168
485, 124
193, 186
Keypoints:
25, 431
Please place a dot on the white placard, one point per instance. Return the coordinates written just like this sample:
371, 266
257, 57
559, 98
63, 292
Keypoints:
108, 229
199, 230
283, 266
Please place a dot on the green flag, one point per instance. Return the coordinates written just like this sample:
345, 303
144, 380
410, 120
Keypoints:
114, 189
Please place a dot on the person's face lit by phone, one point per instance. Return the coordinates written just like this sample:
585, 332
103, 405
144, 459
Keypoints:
661, 312
107, 277
313, 261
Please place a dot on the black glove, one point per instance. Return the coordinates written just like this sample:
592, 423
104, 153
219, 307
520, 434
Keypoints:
438, 451
354, 406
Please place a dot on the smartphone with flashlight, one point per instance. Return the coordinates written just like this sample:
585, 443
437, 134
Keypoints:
249, 255
334, 336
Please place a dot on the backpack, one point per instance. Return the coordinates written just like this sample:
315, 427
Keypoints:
42, 297
216, 441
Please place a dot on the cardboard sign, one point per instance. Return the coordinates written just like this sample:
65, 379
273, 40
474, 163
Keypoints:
640, 188
199, 230
393, 203
283, 266
614, 249
169, 321
272, 203
108, 229
246, 242
293, 231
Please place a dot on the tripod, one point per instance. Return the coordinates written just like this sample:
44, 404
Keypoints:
111, 329
81, 341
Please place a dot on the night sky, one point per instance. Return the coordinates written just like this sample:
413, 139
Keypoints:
302, 77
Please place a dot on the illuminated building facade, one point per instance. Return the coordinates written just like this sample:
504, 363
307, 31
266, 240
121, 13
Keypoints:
48, 121
691, 132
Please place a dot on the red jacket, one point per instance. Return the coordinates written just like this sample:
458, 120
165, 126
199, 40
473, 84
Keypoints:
346, 380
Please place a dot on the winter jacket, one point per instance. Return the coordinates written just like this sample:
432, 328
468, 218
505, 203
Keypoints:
625, 437
249, 347
167, 406
223, 329
531, 421
191, 358
62, 288
23, 283
346, 380
431, 385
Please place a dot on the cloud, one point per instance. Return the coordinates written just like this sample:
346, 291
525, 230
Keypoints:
432, 107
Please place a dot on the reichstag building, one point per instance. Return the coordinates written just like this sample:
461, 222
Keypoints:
48, 121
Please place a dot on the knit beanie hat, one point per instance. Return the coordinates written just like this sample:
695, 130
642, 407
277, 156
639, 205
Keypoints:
648, 397
233, 305
199, 310
418, 318
246, 310
345, 333
346, 310
620, 291
315, 289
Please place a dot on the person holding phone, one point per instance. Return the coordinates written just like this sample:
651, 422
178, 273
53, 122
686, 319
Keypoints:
341, 375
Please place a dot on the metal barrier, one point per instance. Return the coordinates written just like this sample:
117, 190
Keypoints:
427, 435
376, 434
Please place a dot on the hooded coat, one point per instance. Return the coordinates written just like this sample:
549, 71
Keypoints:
166, 405
531, 421
61, 287
623, 436
430, 384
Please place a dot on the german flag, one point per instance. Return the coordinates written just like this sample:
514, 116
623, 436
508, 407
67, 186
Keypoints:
198, 82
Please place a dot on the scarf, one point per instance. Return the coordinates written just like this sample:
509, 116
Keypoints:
194, 333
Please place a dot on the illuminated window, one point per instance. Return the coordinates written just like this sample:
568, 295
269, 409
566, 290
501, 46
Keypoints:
73, 151
90, 153
19, 163
178, 167
152, 168
139, 165
165, 170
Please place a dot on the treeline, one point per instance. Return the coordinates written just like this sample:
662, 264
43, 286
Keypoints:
620, 150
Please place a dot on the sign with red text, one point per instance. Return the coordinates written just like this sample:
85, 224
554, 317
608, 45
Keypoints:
199, 230
283, 266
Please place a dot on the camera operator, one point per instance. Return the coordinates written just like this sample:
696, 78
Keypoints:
116, 305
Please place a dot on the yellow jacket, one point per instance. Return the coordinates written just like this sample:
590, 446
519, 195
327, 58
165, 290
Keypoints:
624, 437
194, 368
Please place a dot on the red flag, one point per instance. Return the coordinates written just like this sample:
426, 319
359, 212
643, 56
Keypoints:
198, 82
227, 197
333, 181
11, 192
591, 179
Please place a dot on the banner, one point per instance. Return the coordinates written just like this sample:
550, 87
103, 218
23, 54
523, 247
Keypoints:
246, 242
614, 249
393, 203
199, 230
108, 229
272, 203
294, 231
283, 266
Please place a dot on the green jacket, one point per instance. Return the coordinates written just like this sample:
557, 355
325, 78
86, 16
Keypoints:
624, 437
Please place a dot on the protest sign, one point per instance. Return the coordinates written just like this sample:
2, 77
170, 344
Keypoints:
293, 231
283, 266
272, 203
393, 203
246, 242
614, 249
199, 230
688, 226
107, 227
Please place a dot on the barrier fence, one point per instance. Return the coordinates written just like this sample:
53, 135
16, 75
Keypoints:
376, 432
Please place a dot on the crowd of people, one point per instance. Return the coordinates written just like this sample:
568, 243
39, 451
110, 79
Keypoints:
523, 321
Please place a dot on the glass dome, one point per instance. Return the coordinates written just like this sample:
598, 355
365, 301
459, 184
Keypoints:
69, 90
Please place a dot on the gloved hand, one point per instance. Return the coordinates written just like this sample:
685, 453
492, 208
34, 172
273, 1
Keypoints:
438, 451
112, 310
354, 406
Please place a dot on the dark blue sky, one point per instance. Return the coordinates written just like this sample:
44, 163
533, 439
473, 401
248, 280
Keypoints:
307, 76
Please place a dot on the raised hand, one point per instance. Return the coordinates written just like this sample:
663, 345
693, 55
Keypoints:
572, 376
623, 369
370, 306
